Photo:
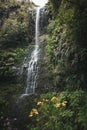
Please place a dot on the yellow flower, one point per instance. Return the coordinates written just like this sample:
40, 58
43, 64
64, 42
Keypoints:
63, 104
40, 103
57, 105
35, 111
46, 100
43, 99
54, 99
31, 114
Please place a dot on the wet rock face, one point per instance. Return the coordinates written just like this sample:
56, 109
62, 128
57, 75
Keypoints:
44, 16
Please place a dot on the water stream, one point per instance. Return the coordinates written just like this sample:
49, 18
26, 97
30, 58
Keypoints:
32, 65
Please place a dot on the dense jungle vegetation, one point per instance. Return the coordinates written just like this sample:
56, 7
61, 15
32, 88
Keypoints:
61, 99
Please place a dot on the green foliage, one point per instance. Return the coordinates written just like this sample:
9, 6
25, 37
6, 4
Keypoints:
67, 45
61, 111
13, 33
21, 16
19, 55
3, 104
9, 59
55, 5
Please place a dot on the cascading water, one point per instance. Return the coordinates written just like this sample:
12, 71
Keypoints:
32, 65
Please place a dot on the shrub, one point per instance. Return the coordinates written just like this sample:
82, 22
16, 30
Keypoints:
60, 111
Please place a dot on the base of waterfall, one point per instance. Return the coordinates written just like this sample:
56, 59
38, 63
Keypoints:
22, 97
25, 95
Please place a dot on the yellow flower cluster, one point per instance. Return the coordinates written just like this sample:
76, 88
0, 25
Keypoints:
54, 99
40, 103
33, 112
57, 105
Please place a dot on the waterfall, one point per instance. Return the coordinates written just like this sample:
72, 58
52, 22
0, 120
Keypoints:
37, 26
32, 65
